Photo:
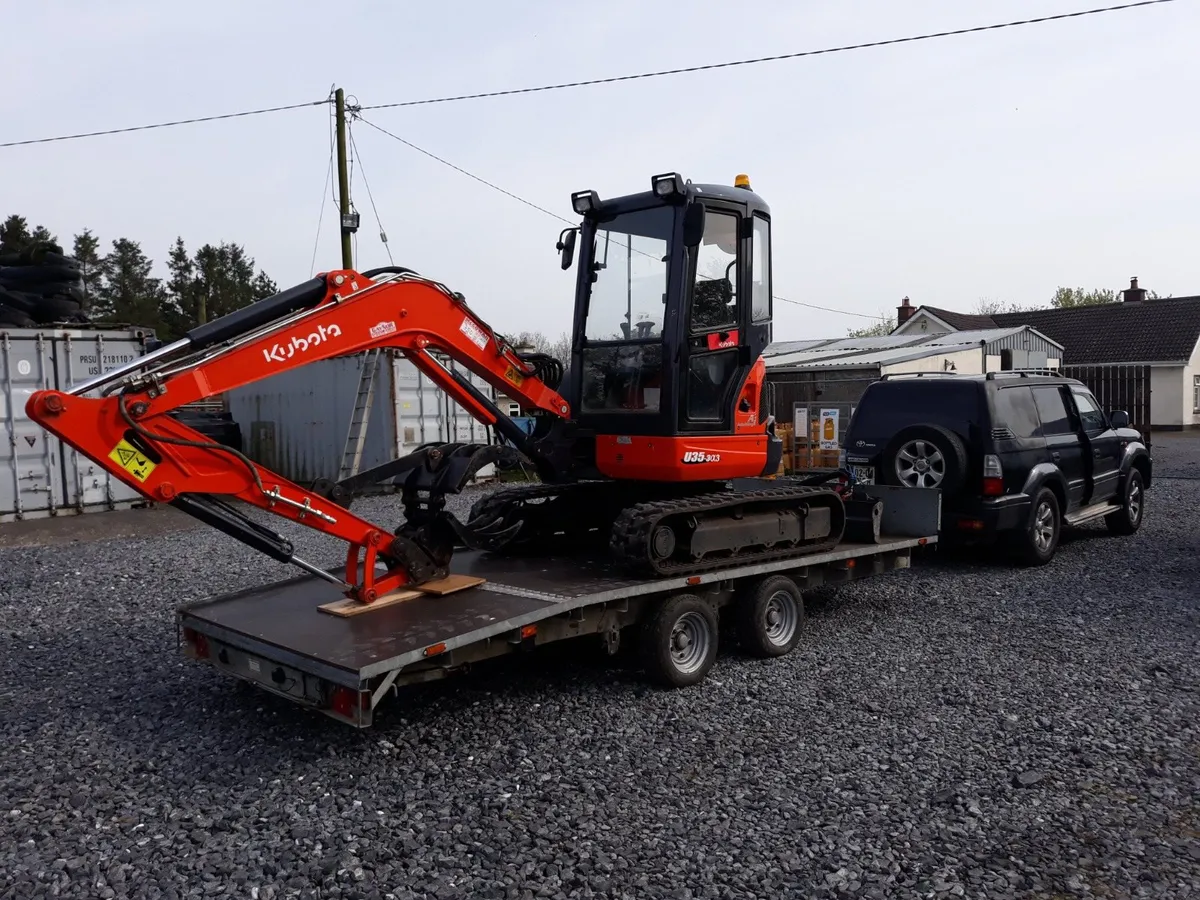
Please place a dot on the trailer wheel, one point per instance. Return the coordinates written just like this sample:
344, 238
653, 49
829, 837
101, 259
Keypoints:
770, 617
679, 641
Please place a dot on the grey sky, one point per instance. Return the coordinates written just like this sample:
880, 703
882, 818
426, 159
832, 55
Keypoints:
1001, 165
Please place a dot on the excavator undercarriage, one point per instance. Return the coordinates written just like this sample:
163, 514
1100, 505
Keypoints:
683, 531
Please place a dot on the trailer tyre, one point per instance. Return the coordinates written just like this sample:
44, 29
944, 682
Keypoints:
770, 617
679, 641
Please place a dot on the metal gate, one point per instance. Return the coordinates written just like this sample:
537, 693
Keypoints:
1119, 386
1116, 386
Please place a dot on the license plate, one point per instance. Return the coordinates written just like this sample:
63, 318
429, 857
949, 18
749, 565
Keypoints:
863, 474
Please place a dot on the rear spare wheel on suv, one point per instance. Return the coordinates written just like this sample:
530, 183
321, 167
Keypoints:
926, 456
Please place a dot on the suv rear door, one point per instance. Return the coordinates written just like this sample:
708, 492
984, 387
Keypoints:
1101, 446
1063, 441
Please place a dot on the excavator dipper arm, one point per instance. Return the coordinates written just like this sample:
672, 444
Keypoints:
129, 431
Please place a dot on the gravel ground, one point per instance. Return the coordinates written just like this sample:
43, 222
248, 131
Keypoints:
961, 729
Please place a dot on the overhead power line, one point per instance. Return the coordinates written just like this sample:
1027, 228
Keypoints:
554, 215
132, 128
595, 81
765, 59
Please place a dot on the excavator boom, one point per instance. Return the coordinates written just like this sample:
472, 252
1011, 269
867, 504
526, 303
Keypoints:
129, 429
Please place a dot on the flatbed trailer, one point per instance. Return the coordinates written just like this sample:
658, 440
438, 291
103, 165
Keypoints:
276, 638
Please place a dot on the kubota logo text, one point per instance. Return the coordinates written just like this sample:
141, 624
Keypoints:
301, 344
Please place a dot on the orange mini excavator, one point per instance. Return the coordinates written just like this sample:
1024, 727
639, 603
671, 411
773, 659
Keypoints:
650, 443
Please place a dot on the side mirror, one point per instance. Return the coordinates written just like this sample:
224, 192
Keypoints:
1119, 418
566, 246
693, 224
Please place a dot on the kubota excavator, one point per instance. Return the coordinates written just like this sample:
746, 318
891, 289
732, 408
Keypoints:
651, 442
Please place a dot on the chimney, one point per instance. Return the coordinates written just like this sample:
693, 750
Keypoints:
1133, 293
904, 312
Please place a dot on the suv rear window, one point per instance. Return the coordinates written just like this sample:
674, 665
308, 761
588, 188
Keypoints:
888, 406
1015, 410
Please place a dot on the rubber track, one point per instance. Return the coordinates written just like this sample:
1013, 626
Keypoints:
630, 541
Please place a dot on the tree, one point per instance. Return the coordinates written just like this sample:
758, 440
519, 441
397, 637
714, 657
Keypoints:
15, 235
86, 249
559, 348
1069, 298
225, 281
885, 325
129, 293
180, 304
986, 306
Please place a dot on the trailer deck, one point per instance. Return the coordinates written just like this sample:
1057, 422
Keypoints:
276, 636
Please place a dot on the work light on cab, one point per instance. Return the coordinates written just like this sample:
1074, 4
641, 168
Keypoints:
584, 202
668, 185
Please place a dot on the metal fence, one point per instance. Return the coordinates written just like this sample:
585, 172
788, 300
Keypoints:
1116, 386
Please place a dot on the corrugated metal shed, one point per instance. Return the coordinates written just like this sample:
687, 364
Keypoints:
892, 349
295, 423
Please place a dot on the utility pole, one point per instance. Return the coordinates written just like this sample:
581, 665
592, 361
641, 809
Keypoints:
349, 220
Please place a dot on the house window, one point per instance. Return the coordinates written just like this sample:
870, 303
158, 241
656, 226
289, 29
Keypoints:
1196, 393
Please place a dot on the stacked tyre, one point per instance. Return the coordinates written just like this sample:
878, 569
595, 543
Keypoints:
40, 285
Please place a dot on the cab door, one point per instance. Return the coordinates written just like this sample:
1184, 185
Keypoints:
715, 343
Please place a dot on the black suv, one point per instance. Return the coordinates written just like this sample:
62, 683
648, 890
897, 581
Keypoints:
1014, 455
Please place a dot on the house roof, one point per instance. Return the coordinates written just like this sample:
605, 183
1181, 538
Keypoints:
1141, 331
883, 349
960, 321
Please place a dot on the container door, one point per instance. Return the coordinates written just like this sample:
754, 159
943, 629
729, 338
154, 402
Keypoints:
419, 404
30, 470
81, 355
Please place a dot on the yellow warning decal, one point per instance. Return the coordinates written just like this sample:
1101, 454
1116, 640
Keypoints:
514, 376
132, 460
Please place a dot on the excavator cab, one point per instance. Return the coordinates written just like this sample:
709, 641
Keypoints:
672, 314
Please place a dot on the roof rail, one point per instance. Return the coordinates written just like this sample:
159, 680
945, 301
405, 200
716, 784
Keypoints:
919, 375
1024, 373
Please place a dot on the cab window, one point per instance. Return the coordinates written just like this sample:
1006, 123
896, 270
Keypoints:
714, 295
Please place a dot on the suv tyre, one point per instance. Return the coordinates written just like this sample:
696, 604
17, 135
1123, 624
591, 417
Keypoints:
926, 456
1038, 540
1133, 505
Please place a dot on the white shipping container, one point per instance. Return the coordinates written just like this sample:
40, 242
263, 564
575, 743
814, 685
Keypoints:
295, 423
39, 475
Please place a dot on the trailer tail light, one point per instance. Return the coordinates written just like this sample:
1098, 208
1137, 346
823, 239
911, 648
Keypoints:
993, 476
343, 700
197, 644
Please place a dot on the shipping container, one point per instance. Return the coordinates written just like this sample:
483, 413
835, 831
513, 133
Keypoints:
39, 475
295, 423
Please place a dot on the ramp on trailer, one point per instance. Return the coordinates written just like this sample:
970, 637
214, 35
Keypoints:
277, 637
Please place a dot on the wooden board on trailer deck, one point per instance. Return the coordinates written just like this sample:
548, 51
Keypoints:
348, 606
449, 585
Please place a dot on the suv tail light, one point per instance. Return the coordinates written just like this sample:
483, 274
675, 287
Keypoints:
993, 476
